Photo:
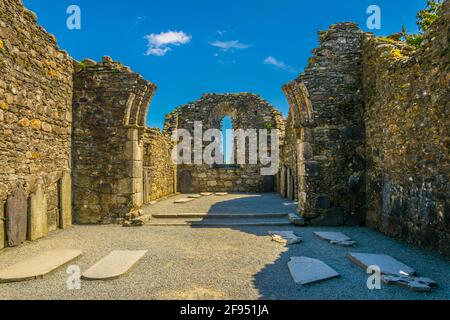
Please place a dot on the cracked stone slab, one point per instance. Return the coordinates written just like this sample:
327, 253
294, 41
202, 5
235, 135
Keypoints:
418, 284
114, 265
336, 238
285, 237
306, 270
387, 264
184, 200
194, 196
206, 194
39, 266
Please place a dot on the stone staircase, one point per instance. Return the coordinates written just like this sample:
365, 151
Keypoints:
218, 219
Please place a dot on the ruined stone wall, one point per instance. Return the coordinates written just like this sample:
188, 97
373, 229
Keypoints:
247, 111
326, 132
35, 127
160, 172
407, 127
109, 112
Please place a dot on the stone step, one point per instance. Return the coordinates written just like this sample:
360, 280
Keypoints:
219, 215
219, 222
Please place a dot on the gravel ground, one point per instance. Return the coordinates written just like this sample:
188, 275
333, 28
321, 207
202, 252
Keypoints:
231, 203
222, 263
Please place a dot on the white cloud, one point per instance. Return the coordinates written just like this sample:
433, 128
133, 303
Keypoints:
278, 64
229, 45
159, 44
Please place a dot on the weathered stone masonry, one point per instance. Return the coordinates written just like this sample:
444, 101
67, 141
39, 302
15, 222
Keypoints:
407, 105
323, 154
247, 111
367, 134
35, 128
118, 163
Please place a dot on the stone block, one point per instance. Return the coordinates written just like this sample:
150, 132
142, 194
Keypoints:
133, 151
305, 151
135, 169
65, 193
2, 225
309, 168
37, 221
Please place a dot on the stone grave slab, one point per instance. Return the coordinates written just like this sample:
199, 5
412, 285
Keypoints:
66, 200
16, 214
206, 194
39, 266
306, 270
221, 194
184, 200
418, 284
336, 238
194, 196
387, 264
114, 265
285, 237
37, 221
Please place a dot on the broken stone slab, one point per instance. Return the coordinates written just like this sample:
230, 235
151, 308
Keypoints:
418, 284
39, 266
285, 237
114, 265
336, 238
306, 270
295, 219
137, 222
221, 194
387, 264
194, 196
206, 194
184, 200
17, 217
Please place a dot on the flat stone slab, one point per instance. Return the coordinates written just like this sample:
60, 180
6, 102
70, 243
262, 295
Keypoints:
206, 194
221, 194
114, 265
336, 238
306, 270
387, 264
285, 237
194, 196
39, 266
418, 284
184, 200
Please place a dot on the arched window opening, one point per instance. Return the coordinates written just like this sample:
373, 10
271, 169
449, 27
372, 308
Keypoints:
228, 140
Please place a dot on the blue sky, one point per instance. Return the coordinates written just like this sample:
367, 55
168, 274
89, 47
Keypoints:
192, 47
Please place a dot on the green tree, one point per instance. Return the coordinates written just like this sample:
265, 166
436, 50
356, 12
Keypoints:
425, 18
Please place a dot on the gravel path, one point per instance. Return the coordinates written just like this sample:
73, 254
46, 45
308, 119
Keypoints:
222, 263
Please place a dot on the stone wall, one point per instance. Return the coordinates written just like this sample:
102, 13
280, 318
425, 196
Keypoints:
407, 102
323, 155
160, 173
247, 111
109, 113
35, 128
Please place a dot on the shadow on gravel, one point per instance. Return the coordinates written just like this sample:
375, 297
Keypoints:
274, 281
